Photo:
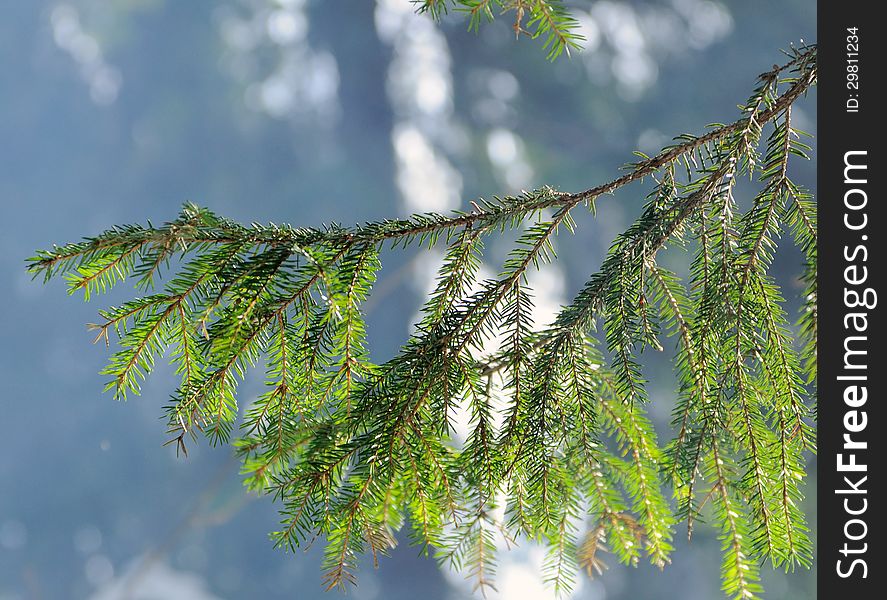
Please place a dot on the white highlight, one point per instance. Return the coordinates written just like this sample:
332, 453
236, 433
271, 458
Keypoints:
304, 81
104, 80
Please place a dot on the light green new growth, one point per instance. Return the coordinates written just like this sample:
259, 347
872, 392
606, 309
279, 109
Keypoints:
546, 19
560, 450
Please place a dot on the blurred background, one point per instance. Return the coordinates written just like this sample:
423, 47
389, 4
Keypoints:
306, 112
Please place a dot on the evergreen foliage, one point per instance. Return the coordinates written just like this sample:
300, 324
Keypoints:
560, 450
545, 19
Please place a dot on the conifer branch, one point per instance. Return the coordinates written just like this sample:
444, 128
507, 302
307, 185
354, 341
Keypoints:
557, 428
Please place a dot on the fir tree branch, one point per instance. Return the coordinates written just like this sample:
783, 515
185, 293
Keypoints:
354, 450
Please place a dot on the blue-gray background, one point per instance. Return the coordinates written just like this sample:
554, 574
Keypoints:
304, 112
